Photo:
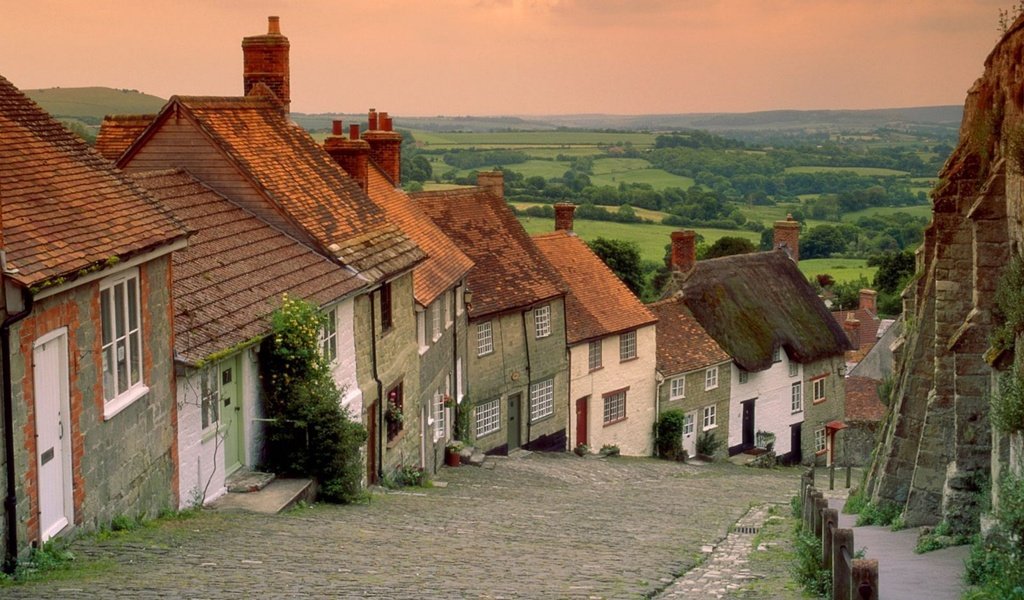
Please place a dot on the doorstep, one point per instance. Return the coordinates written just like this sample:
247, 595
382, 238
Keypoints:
277, 496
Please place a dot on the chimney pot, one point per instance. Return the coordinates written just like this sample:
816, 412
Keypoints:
353, 131
372, 120
867, 300
563, 216
336, 127
265, 60
786, 235
274, 25
492, 181
684, 250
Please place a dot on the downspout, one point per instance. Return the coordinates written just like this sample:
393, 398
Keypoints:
380, 391
11, 500
455, 360
529, 379
571, 411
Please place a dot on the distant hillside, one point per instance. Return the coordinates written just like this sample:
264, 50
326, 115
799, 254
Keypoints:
90, 104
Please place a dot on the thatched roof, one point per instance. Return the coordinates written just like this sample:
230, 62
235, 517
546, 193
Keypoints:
752, 303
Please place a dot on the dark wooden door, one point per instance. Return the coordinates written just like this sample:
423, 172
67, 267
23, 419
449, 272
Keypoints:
795, 451
581, 420
748, 425
513, 421
371, 444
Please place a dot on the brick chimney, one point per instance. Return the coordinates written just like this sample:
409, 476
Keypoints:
563, 216
684, 251
492, 181
385, 145
352, 154
868, 300
787, 237
266, 61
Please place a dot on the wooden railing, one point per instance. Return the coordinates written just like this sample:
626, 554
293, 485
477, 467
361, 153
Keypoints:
851, 577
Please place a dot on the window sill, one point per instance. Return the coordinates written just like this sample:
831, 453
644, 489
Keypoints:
479, 355
708, 389
819, 401
820, 452
595, 369
115, 406
676, 398
796, 412
616, 421
542, 419
395, 440
625, 360
715, 426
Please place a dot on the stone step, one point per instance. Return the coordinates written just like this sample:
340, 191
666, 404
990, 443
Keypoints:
277, 496
244, 481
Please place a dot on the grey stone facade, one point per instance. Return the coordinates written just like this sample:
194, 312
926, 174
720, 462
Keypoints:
818, 414
518, 361
439, 366
696, 398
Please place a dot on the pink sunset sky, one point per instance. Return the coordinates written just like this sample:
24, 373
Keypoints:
501, 57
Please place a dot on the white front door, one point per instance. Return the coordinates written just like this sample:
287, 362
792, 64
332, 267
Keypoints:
689, 437
53, 432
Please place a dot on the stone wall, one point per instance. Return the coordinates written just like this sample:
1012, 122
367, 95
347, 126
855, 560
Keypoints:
695, 398
936, 449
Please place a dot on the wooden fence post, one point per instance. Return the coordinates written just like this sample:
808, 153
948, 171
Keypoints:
832, 476
831, 518
847, 475
808, 503
843, 541
865, 579
820, 504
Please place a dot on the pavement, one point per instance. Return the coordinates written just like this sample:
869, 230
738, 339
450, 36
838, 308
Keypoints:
936, 575
536, 526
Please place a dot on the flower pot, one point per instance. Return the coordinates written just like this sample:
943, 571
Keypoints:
452, 458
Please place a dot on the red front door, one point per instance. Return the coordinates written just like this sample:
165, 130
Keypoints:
581, 420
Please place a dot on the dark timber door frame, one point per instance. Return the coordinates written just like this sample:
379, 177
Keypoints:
748, 424
514, 401
581, 420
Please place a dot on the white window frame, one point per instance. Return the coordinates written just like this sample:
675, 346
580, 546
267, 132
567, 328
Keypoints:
796, 397
819, 440
460, 305
484, 339
615, 407
209, 398
329, 336
439, 414
744, 375
709, 417
488, 417
542, 321
130, 340
627, 346
421, 330
819, 390
594, 358
435, 320
777, 354
711, 378
542, 400
794, 368
677, 388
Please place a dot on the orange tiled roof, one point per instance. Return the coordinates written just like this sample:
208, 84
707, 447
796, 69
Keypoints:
598, 303
509, 270
301, 180
862, 402
117, 132
867, 331
683, 345
235, 269
66, 208
446, 265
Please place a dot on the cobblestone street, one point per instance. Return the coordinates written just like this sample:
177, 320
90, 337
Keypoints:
541, 526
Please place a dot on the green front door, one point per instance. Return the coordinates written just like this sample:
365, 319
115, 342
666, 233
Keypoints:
231, 414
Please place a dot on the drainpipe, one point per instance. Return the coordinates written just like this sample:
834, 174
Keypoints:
11, 500
455, 360
568, 399
529, 378
380, 391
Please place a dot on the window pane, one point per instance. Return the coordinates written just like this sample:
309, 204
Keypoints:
133, 300
122, 366
108, 373
105, 317
119, 310
135, 359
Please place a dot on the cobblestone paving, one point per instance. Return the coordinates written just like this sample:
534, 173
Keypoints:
725, 570
542, 526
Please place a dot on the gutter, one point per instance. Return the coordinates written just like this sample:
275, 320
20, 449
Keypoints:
379, 417
11, 500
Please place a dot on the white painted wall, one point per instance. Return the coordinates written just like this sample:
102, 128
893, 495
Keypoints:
772, 389
632, 435
344, 368
200, 461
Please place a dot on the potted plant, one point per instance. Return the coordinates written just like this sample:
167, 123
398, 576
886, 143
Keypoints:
452, 453
393, 414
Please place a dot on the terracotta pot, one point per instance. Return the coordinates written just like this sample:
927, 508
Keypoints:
452, 458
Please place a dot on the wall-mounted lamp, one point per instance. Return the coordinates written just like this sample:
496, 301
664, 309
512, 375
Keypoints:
842, 370
467, 298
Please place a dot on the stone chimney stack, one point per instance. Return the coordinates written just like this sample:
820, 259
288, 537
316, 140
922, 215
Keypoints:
684, 251
868, 300
852, 327
385, 145
265, 60
352, 154
787, 237
492, 181
563, 216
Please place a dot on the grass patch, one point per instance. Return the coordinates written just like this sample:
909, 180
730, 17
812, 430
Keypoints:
866, 171
508, 139
881, 513
841, 269
656, 178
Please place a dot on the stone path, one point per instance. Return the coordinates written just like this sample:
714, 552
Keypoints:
541, 526
724, 571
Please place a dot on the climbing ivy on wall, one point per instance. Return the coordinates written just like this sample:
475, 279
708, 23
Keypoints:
1009, 309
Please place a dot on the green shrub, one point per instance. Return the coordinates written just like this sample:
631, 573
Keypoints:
668, 435
310, 434
610, 450
464, 421
1009, 309
883, 513
708, 444
855, 502
996, 563
807, 569
407, 476
1007, 414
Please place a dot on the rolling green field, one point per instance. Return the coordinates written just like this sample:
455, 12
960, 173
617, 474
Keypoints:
512, 139
841, 269
866, 171
94, 102
643, 213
